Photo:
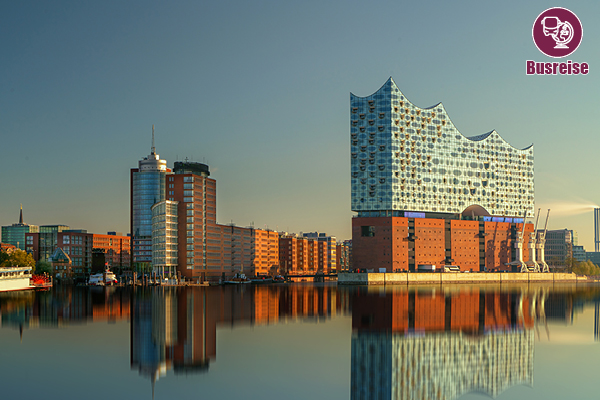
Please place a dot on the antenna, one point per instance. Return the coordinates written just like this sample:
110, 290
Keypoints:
153, 150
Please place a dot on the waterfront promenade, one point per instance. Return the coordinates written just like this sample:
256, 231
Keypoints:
404, 278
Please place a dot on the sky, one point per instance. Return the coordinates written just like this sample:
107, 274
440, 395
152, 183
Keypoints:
259, 90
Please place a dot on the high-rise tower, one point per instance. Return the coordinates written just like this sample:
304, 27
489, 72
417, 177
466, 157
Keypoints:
147, 189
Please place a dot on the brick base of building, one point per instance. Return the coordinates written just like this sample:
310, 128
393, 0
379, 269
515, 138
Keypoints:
402, 244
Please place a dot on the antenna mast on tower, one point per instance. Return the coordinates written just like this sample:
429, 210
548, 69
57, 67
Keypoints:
153, 150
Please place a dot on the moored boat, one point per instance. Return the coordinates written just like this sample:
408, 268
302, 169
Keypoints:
261, 279
15, 278
41, 281
238, 278
98, 279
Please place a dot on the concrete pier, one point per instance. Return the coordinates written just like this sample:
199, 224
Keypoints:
372, 278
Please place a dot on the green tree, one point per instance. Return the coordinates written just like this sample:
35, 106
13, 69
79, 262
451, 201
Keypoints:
571, 264
19, 258
586, 268
43, 267
4, 256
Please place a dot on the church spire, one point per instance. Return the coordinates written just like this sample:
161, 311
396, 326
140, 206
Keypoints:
21, 215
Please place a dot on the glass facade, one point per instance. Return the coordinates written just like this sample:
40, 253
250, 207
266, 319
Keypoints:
164, 237
147, 189
49, 239
408, 158
15, 234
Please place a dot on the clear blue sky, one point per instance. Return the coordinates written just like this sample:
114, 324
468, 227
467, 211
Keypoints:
259, 90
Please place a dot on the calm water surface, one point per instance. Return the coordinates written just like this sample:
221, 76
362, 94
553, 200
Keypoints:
301, 341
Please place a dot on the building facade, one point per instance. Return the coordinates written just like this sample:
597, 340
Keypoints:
165, 246
116, 248
559, 247
195, 194
330, 265
426, 194
41, 245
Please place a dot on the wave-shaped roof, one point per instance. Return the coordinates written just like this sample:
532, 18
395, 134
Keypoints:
404, 157
392, 84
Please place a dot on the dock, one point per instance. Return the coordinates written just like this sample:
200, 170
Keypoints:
412, 278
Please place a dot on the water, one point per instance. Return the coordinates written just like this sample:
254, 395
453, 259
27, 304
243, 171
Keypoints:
301, 341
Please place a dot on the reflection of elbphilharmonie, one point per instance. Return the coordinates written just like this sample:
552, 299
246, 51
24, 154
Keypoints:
428, 345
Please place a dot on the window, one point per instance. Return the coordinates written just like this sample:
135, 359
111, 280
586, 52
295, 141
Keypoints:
367, 231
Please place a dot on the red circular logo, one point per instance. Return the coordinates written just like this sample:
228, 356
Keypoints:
557, 32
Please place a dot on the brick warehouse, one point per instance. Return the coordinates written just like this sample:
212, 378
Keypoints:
425, 194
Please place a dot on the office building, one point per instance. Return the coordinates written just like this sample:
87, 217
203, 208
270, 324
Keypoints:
79, 245
329, 265
41, 245
343, 255
425, 194
195, 194
147, 189
15, 234
164, 238
559, 247
579, 253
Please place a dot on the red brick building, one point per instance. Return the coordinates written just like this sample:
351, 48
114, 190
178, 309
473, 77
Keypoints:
402, 244
116, 247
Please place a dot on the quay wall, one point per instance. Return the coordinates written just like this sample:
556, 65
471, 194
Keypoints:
373, 278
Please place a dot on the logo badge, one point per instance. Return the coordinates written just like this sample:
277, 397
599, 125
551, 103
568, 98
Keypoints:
557, 32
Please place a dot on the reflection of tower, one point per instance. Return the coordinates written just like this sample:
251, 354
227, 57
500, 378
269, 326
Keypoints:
597, 230
197, 330
173, 329
597, 321
153, 328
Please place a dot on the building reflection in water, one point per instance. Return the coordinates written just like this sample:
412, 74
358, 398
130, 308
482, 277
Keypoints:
176, 328
406, 344
63, 306
440, 345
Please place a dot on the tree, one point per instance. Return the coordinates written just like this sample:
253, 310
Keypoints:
19, 258
43, 267
571, 264
4, 256
586, 268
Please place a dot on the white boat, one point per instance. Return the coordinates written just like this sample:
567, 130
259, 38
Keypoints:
15, 278
98, 279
